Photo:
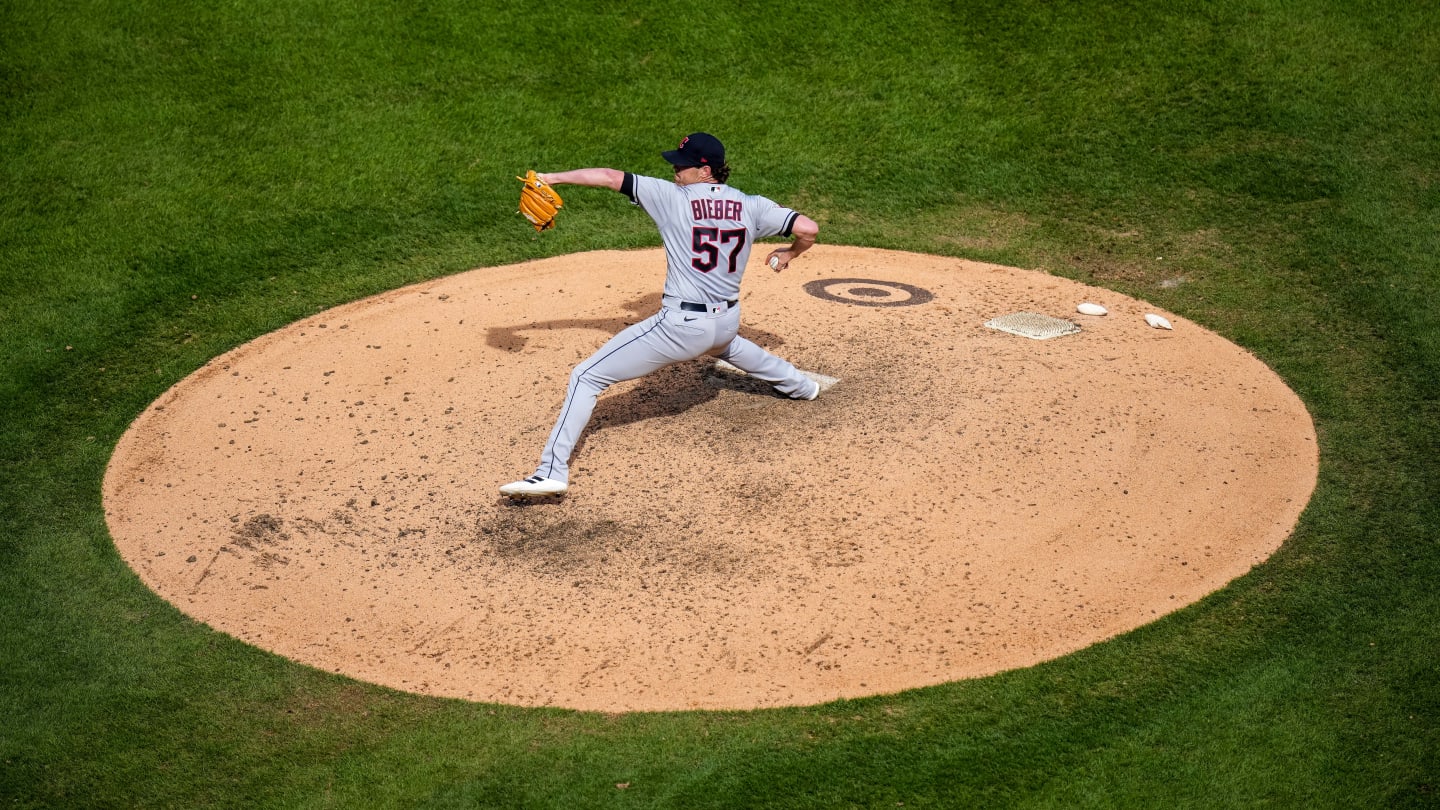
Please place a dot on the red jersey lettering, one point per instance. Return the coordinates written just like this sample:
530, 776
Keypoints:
716, 209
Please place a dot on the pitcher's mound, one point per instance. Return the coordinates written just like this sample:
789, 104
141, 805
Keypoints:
961, 502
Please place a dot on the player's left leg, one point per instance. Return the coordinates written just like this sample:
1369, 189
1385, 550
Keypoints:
654, 343
624, 357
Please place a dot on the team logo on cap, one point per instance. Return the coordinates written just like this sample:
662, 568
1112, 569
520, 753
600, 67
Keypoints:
681, 148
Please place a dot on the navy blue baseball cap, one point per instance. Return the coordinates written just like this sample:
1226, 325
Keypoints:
697, 149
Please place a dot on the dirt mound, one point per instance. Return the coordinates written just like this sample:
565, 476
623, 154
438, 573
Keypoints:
963, 501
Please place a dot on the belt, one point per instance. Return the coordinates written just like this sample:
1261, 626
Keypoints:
690, 307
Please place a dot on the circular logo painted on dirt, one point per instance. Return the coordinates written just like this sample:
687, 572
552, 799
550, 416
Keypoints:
867, 292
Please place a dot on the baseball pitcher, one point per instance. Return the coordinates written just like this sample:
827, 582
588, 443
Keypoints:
708, 228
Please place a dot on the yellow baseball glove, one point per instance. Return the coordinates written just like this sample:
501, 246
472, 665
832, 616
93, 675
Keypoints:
539, 202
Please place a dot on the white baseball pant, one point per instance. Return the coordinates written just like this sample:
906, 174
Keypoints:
672, 335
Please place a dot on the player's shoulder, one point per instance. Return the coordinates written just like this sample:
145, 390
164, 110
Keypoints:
727, 190
648, 191
759, 200
655, 182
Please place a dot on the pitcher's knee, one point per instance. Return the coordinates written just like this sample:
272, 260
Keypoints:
588, 381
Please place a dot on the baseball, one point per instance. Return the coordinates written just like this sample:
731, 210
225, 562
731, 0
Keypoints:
774, 262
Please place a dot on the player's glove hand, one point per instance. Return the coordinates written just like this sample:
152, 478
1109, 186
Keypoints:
538, 201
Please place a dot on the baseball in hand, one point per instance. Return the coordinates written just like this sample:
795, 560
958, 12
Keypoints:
774, 262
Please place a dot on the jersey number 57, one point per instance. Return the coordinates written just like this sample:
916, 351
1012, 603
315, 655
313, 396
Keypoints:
709, 242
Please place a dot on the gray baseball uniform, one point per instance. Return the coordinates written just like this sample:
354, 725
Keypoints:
708, 230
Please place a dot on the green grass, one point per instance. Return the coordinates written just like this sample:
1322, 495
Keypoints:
177, 179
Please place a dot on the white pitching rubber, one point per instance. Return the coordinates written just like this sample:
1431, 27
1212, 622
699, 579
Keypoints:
825, 381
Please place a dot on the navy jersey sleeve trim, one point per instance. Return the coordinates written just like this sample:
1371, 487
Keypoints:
627, 187
789, 223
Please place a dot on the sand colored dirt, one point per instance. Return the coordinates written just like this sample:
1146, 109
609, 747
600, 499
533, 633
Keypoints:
962, 502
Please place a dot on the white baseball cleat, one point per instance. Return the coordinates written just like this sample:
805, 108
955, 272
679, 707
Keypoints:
812, 394
534, 487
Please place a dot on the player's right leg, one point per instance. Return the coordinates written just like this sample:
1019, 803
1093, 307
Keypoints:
747, 356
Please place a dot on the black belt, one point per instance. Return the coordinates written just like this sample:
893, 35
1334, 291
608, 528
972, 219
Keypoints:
689, 307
